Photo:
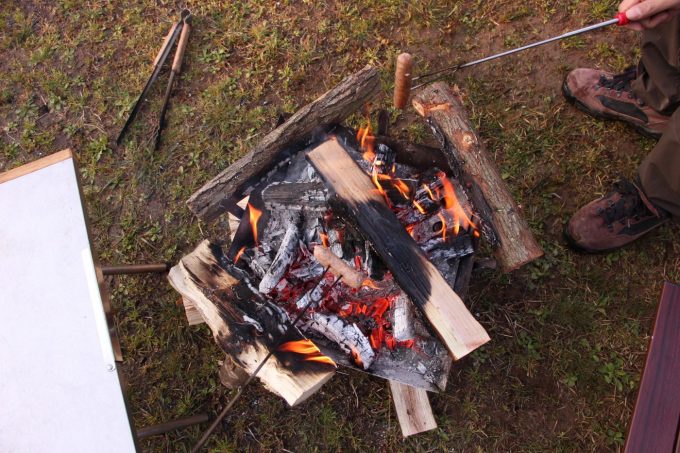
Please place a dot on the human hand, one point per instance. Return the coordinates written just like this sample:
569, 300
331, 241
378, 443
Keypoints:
648, 13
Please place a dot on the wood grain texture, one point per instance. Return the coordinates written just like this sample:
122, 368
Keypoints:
356, 199
334, 106
36, 165
230, 310
413, 409
656, 418
444, 110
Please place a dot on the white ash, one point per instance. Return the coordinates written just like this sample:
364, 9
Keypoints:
347, 336
314, 295
284, 257
334, 242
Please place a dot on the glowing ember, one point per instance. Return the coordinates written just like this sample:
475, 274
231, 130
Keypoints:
429, 192
238, 254
443, 230
255, 215
308, 349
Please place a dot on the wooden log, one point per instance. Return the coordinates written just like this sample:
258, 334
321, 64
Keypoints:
245, 328
413, 409
232, 375
359, 201
444, 111
332, 107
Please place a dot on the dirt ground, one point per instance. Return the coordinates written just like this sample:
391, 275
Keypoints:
569, 332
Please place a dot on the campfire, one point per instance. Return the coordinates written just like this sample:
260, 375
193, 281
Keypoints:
377, 239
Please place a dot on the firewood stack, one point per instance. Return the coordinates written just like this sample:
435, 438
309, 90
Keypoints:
315, 196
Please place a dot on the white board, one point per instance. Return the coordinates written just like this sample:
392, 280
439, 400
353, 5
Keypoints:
59, 388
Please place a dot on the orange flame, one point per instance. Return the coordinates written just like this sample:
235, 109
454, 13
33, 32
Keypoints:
418, 207
324, 239
255, 215
429, 192
453, 206
403, 188
306, 348
356, 357
443, 230
238, 254
369, 283
367, 142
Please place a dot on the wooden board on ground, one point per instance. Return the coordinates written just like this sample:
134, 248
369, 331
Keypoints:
334, 106
362, 204
237, 321
445, 112
413, 409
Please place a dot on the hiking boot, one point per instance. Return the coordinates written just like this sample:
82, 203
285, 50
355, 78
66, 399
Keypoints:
615, 220
609, 96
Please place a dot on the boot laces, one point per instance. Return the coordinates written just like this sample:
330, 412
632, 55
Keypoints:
629, 206
619, 82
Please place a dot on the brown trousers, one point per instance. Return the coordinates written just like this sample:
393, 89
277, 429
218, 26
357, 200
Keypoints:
658, 85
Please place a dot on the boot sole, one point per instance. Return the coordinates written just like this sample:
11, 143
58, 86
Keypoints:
645, 131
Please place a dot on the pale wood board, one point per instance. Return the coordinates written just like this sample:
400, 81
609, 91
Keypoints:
413, 409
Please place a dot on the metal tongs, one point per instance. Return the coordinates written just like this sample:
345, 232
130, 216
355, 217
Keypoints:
180, 28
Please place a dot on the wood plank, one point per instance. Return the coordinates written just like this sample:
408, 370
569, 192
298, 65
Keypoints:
332, 107
356, 199
413, 409
234, 316
36, 165
445, 112
656, 418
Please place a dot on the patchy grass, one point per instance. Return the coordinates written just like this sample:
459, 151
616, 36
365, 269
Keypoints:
569, 331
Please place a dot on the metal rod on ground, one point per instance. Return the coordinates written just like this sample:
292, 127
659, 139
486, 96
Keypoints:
239, 391
172, 425
125, 269
620, 19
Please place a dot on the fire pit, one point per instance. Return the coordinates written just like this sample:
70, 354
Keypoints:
405, 227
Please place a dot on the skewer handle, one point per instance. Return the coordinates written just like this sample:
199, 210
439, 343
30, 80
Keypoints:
402, 80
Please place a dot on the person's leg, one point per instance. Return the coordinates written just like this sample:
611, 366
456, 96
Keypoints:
658, 73
660, 170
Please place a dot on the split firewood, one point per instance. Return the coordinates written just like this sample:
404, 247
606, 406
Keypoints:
357, 200
444, 111
348, 336
231, 375
248, 329
215, 197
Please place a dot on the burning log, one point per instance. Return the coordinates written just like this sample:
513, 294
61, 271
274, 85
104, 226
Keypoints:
221, 193
444, 111
362, 204
247, 330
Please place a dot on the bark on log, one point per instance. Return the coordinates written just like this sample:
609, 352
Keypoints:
350, 95
355, 195
444, 111
245, 328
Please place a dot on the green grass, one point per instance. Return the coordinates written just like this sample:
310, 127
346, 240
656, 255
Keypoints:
569, 331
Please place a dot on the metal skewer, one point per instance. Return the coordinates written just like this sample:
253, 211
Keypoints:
620, 19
